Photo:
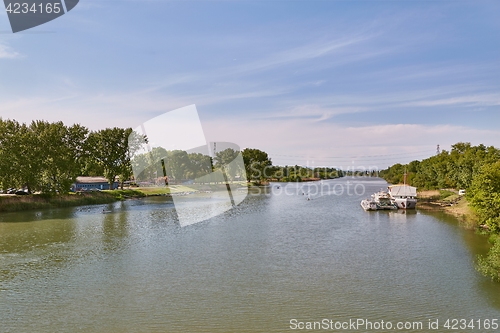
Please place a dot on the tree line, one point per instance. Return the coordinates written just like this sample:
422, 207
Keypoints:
47, 157
475, 169
180, 166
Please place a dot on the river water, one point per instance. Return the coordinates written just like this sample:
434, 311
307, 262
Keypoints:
274, 260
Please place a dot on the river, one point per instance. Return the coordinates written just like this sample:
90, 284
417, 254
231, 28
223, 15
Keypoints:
273, 263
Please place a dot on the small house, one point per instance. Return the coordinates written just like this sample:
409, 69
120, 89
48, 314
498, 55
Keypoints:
92, 184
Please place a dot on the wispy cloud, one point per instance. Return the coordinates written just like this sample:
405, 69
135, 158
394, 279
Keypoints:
7, 53
295, 141
469, 100
301, 53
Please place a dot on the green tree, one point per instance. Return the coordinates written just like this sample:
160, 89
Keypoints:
489, 265
201, 165
110, 151
149, 166
224, 159
484, 195
256, 162
64, 149
21, 156
177, 165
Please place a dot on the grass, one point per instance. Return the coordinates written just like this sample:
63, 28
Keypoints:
429, 195
443, 194
173, 189
464, 213
451, 203
40, 201
157, 190
124, 194
14, 203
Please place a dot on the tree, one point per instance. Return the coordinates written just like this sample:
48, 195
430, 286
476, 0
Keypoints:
224, 159
64, 150
489, 265
484, 195
21, 156
256, 161
177, 165
110, 150
201, 165
134, 142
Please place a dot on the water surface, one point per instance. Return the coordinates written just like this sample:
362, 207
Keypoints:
274, 258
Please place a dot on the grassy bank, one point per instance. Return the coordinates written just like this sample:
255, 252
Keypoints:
12, 203
37, 201
450, 202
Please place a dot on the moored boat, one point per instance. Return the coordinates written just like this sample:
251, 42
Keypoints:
383, 201
403, 196
369, 204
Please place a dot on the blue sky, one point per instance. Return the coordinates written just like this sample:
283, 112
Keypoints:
311, 82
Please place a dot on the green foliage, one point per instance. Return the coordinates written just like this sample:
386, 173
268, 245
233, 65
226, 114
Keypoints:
177, 165
123, 194
29, 202
109, 150
443, 194
454, 169
257, 164
224, 160
47, 157
489, 265
484, 195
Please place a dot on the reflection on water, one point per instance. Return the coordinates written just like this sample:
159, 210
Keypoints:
275, 257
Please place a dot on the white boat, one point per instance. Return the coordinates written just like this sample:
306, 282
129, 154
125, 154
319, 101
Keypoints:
403, 196
369, 204
383, 201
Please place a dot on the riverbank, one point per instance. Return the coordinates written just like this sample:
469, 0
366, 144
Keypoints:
39, 201
13, 203
451, 203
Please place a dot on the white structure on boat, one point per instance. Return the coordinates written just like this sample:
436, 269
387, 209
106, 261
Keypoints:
369, 204
379, 201
404, 196
383, 201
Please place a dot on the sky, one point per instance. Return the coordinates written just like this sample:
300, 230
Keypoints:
317, 83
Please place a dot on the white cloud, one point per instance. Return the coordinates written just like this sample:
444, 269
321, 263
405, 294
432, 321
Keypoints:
307, 142
7, 53
476, 99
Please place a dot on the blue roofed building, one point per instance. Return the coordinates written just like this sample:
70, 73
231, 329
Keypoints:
91, 184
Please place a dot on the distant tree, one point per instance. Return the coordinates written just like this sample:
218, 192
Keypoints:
149, 166
201, 165
177, 165
134, 142
110, 151
225, 160
256, 162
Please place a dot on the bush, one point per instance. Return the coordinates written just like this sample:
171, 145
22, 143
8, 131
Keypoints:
489, 265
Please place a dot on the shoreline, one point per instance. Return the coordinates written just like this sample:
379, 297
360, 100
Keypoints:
16, 203
38, 201
453, 204
430, 200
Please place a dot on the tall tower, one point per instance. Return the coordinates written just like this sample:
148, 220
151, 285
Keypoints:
438, 150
